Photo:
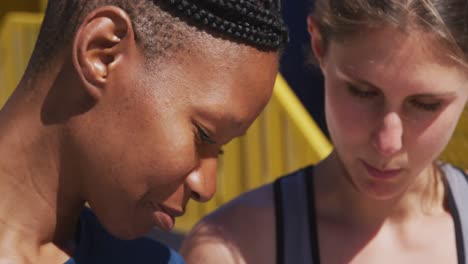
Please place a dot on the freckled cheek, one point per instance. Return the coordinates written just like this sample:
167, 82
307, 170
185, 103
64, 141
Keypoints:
348, 120
427, 143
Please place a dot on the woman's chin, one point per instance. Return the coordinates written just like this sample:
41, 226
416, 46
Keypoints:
381, 192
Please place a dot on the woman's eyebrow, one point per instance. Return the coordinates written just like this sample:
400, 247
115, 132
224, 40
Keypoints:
431, 95
347, 77
436, 98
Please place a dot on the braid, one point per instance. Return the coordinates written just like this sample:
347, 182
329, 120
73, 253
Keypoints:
244, 20
161, 26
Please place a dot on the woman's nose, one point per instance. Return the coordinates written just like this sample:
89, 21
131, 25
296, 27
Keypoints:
202, 181
388, 138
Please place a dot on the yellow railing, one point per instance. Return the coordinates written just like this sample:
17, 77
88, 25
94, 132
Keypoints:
282, 139
457, 149
18, 33
43, 5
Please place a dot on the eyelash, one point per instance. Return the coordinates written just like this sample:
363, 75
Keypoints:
359, 93
427, 107
203, 137
432, 107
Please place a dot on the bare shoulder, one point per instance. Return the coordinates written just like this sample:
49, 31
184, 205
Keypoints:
242, 231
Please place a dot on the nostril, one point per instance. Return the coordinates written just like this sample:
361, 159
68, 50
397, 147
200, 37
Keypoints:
196, 196
202, 181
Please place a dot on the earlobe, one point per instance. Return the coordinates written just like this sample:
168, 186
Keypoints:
316, 40
103, 37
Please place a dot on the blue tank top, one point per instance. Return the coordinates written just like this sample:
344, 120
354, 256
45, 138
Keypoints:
96, 245
297, 239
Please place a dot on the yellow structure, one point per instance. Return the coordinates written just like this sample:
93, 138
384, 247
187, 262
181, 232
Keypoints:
284, 137
18, 33
34, 6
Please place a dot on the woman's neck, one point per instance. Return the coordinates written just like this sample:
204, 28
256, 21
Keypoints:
39, 208
339, 199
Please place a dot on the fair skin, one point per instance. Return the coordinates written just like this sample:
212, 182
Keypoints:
391, 107
136, 142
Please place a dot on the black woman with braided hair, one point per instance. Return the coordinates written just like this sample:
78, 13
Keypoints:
125, 105
396, 85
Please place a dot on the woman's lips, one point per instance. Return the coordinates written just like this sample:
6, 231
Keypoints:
164, 220
381, 174
165, 217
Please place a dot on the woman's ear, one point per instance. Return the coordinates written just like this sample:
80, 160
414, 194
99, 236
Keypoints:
316, 40
105, 35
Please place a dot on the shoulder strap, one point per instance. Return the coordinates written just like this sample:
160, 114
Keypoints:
292, 223
278, 196
458, 197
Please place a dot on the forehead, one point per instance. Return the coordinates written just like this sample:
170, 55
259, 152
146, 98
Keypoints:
235, 86
222, 81
388, 56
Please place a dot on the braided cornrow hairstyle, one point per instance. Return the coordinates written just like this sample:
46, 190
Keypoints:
254, 22
162, 26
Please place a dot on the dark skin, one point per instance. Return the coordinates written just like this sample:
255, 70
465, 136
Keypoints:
392, 212
135, 141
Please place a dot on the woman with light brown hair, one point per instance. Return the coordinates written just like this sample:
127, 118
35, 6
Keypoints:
396, 83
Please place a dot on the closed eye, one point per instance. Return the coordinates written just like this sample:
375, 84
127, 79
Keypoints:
431, 107
353, 90
203, 135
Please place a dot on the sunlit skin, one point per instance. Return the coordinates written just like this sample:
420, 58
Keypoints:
392, 103
392, 107
178, 119
135, 138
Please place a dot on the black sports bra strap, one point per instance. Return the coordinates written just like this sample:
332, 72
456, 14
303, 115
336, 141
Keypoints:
313, 229
279, 221
292, 223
